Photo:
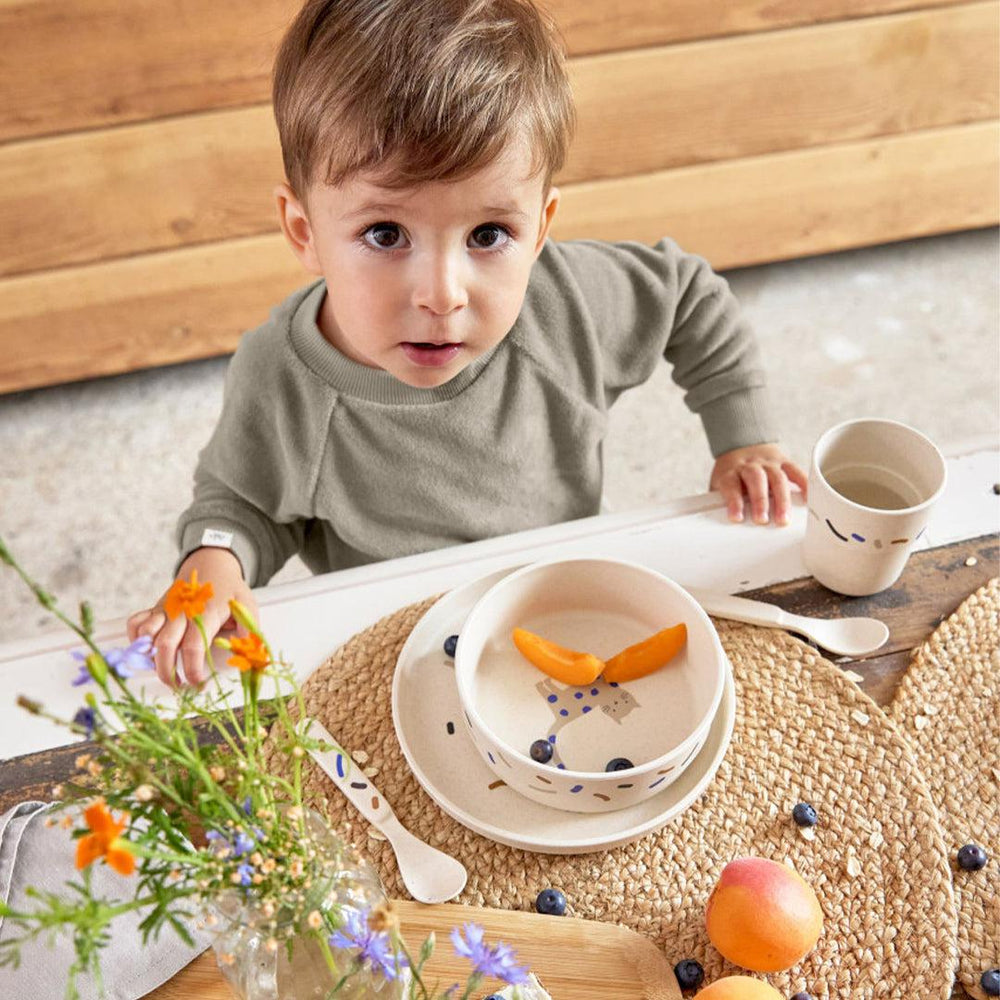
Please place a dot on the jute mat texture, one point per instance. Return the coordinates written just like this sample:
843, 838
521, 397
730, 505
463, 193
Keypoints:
948, 704
803, 732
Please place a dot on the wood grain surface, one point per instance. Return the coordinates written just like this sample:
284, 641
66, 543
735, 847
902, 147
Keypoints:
208, 177
574, 959
85, 64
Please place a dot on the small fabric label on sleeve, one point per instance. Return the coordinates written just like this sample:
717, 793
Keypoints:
213, 536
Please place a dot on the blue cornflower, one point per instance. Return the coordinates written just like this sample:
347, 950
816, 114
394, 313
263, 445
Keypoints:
125, 662
242, 844
498, 962
245, 872
372, 946
86, 719
248, 806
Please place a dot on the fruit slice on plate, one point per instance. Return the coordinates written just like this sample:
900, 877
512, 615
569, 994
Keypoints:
646, 656
560, 663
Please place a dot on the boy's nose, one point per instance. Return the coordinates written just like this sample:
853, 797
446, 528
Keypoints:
439, 287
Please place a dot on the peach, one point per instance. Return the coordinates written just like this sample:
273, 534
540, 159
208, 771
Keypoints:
739, 988
762, 915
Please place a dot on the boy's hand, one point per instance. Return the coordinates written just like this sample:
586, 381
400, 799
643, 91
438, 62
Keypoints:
753, 473
218, 567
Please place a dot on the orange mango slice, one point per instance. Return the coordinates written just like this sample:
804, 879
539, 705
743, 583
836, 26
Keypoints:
566, 665
646, 656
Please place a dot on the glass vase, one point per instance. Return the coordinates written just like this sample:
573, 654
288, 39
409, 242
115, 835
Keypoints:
262, 957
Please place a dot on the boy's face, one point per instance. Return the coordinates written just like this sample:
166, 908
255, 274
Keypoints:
423, 280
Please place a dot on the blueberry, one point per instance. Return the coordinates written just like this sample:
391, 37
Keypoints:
804, 814
551, 902
802, 996
541, 751
449, 645
990, 982
972, 857
493, 996
689, 974
618, 764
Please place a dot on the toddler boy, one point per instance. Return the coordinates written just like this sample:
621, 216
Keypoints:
448, 376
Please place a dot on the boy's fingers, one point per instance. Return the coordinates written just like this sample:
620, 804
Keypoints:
733, 492
165, 650
755, 480
192, 654
731, 488
797, 476
780, 493
196, 662
147, 622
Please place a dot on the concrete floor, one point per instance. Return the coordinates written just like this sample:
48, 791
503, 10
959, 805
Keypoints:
93, 475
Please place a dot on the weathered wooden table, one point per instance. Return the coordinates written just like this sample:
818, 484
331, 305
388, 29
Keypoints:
932, 586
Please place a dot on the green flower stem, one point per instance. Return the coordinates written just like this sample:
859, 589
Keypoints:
471, 983
416, 968
183, 757
211, 666
48, 602
213, 719
331, 962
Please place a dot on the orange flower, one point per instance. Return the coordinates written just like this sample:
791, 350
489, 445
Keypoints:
250, 653
187, 597
104, 841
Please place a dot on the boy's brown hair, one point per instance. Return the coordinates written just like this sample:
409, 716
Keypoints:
419, 90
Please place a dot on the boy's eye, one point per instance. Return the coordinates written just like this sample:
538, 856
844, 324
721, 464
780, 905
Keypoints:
489, 236
385, 235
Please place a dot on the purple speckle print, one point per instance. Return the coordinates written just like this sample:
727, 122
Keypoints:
577, 788
553, 698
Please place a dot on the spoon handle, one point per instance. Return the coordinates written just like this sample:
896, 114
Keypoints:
740, 609
350, 779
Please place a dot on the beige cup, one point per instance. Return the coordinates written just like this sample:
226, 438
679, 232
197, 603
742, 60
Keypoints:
872, 484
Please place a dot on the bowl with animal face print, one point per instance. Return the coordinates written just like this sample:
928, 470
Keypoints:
587, 745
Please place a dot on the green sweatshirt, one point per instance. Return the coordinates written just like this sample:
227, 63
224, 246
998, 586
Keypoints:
344, 464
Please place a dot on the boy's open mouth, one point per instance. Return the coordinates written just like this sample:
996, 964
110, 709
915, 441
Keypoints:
429, 355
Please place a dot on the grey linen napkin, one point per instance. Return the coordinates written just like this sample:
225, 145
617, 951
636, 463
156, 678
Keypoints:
35, 855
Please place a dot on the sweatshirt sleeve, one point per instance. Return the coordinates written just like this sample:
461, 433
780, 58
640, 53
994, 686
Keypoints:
649, 303
255, 478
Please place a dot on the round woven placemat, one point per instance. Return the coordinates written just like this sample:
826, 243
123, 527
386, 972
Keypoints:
948, 704
803, 732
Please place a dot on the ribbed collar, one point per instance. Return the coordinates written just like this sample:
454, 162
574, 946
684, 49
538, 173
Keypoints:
353, 379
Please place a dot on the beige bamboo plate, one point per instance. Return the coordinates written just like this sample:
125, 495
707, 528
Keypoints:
574, 959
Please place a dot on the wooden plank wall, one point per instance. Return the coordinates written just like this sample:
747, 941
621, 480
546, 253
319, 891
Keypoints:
138, 152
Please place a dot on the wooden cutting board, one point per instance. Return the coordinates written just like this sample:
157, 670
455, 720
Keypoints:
574, 959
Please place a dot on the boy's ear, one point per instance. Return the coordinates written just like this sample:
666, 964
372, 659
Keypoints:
548, 212
296, 227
